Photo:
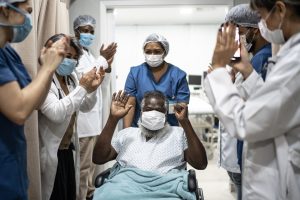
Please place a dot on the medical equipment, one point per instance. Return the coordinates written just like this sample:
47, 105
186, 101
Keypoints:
204, 121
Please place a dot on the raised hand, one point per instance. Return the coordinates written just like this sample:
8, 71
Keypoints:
118, 107
87, 80
226, 46
53, 54
109, 52
100, 75
244, 65
181, 112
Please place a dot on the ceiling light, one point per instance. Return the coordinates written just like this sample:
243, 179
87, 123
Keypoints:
186, 11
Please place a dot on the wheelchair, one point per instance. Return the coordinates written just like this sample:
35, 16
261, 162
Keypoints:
192, 182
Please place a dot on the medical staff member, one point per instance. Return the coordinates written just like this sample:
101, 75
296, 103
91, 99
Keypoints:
19, 95
89, 125
268, 121
155, 74
57, 116
259, 50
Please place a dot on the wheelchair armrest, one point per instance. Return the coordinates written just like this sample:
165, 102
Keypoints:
99, 180
192, 181
193, 185
200, 195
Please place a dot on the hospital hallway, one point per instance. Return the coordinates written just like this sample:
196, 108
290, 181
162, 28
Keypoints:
214, 181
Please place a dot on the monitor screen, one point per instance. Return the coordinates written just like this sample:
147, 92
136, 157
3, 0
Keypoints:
194, 79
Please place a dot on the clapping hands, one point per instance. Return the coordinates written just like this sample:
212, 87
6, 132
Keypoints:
92, 79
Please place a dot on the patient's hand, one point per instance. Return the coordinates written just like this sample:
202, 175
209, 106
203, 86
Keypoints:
118, 105
181, 111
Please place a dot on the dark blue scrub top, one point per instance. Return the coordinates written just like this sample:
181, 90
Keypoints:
13, 167
258, 62
173, 84
260, 59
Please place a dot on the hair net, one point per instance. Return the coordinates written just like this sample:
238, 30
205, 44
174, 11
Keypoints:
157, 38
243, 16
84, 20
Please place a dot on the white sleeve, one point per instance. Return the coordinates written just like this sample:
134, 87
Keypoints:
89, 102
118, 139
101, 61
184, 141
57, 109
269, 112
248, 86
106, 81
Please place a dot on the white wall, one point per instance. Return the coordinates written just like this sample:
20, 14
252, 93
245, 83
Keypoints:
191, 47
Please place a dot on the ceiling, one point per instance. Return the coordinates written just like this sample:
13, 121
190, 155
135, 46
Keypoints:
176, 15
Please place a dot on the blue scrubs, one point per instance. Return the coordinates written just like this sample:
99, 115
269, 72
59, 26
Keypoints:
258, 62
173, 84
13, 167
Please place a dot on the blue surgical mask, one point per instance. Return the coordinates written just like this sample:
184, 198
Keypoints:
86, 39
20, 32
66, 67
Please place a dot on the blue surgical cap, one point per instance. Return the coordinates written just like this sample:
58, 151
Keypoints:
84, 20
243, 16
157, 38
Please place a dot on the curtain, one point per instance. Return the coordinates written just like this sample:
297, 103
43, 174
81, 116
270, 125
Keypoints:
49, 17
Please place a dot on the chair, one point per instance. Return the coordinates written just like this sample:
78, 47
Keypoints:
192, 182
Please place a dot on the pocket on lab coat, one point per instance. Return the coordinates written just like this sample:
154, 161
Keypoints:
260, 182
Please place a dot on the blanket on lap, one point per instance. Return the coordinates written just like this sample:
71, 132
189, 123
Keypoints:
136, 184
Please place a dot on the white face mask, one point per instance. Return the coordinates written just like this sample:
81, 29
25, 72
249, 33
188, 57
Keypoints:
154, 60
276, 36
153, 120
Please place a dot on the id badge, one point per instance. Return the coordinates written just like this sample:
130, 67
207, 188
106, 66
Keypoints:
171, 107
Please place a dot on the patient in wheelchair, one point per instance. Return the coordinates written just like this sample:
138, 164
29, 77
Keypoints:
151, 159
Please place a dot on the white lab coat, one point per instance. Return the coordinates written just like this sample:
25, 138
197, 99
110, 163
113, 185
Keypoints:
227, 148
54, 118
227, 145
90, 124
269, 122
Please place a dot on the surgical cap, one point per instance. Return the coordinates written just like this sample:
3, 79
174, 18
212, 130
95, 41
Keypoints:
243, 16
84, 20
157, 38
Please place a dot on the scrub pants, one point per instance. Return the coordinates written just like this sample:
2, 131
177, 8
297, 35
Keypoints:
65, 183
236, 178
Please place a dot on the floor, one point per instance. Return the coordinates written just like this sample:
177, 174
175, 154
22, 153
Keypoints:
215, 182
